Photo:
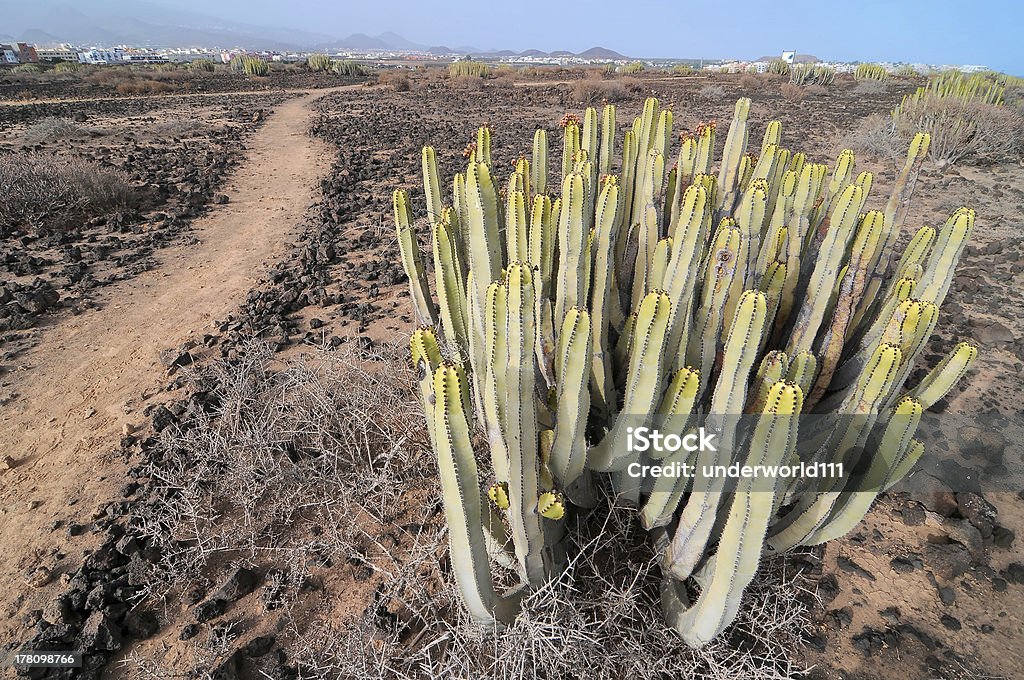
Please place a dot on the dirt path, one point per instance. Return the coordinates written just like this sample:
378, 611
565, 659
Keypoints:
88, 375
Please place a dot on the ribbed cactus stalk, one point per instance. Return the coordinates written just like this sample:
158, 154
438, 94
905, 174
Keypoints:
684, 299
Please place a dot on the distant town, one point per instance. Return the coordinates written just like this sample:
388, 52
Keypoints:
25, 53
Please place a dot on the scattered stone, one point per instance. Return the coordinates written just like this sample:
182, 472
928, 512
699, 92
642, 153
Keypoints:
99, 632
913, 515
189, 631
902, 565
238, 584
1003, 537
947, 561
851, 567
259, 646
162, 418
141, 624
947, 595
210, 609
950, 622
1015, 573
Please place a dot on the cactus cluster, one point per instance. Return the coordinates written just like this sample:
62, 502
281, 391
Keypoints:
811, 74
249, 65
318, 63
67, 67
906, 71
347, 67
871, 72
632, 68
779, 67
466, 67
982, 88
204, 65
667, 295
683, 70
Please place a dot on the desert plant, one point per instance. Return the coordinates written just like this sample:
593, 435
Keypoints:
46, 193
750, 81
203, 65
871, 87
50, 129
673, 299
319, 63
711, 92
396, 80
778, 67
593, 90
67, 67
683, 70
906, 71
812, 74
793, 93
347, 67
965, 117
632, 68
255, 67
870, 72
25, 69
469, 68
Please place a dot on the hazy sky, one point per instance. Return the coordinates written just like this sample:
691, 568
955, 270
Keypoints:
934, 31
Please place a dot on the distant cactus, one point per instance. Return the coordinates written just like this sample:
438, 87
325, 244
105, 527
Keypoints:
683, 70
26, 69
202, 65
906, 71
812, 74
871, 72
469, 68
67, 67
633, 68
778, 67
319, 63
250, 66
345, 67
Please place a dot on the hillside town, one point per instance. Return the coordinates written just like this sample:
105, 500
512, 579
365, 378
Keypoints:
23, 53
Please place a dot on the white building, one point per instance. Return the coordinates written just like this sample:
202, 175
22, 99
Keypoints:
102, 56
8, 55
61, 53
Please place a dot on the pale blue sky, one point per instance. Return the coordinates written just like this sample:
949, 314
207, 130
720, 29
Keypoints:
934, 31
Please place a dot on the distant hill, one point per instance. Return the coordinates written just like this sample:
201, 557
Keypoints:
601, 53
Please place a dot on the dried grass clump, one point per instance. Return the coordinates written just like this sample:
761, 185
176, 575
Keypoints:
600, 620
51, 129
46, 194
869, 86
395, 80
874, 137
962, 130
793, 93
323, 442
711, 92
594, 90
334, 440
749, 81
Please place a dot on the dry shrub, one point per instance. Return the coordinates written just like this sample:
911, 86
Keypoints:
47, 194
467, 82
793, 93
871, 87
963, 131
335, 440
873, 137
815, 90
634, 85
136, 87
51, 129
711, 92
396, 80
749, 81
593, 90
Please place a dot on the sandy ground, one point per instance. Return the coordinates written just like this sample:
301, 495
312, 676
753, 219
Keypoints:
85, 381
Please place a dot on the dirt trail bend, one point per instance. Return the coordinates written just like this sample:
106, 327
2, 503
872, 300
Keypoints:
88, 375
